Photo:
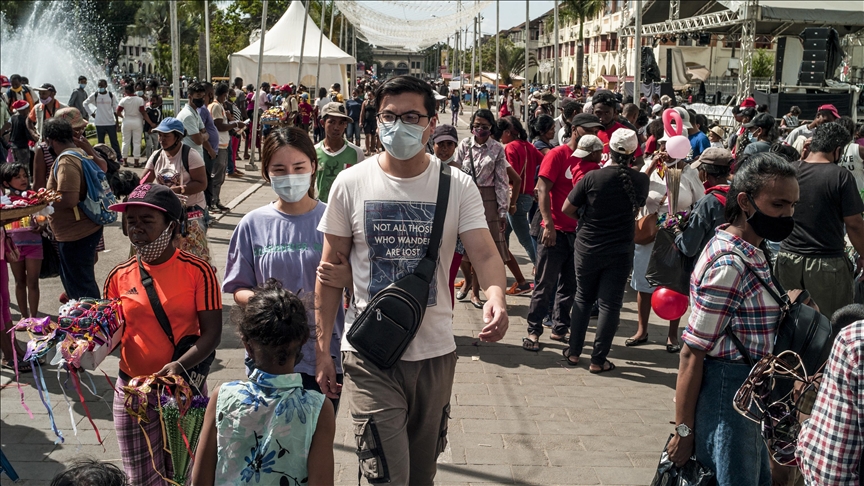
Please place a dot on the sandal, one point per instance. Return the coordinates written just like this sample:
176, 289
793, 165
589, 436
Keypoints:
23, 366
603, 369
561, 339
529, 344
462, 293
517, 289
673, 348
636, 342
570, 362
478, 304
459, 284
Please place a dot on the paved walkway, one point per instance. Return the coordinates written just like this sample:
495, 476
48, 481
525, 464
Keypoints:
517, 417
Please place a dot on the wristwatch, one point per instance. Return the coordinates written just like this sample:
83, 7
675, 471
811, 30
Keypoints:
683, 430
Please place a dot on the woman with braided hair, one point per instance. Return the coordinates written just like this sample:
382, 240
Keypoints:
604, 245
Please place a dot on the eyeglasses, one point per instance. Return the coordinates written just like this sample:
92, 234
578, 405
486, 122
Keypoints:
406, 118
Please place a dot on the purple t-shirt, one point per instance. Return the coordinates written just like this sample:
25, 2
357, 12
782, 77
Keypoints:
268, 243
212, 131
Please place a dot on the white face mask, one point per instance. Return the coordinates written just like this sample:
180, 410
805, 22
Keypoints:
402, 141
449, 159
292, 187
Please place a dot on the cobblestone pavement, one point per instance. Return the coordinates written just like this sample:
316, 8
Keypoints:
518, 417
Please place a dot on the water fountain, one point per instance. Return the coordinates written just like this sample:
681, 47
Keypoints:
50, 47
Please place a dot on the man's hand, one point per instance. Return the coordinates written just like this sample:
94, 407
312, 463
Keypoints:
496, 320
680, 449
325, 375
212, 153
549, 235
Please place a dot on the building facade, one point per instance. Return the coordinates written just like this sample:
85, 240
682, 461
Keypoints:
136, 56
394, 62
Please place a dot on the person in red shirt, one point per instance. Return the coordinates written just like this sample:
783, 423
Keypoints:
555, 268
525, 159
606, 108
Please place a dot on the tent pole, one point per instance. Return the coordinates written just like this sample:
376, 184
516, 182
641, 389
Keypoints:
637, 69
207, 36
303, 47
556, 77
320, 43
527, 35
332, 15
354, 55
251, 164
473, 62
175, 59
497, 50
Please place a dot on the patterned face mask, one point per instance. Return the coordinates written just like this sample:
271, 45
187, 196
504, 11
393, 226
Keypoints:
153, 250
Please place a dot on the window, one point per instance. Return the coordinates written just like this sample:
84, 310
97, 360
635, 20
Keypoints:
137, 51
572, 48
613, 41
604, 43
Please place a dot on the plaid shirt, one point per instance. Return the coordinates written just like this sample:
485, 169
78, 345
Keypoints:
729, 294
830, 441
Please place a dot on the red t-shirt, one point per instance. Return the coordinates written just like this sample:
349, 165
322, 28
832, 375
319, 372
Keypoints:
524, 158
564, 171
604, 136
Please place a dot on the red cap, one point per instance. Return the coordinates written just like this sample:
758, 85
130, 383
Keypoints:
831, 108
20, 105
748, 103
286, 88
4, 81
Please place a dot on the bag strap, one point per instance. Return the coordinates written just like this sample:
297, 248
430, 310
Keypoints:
155, 303
426, 267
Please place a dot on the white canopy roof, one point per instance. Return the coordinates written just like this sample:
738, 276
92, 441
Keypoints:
282, 53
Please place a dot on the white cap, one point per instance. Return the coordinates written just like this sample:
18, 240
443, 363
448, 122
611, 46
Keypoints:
624, 141
587, 145
685, 117
656, 108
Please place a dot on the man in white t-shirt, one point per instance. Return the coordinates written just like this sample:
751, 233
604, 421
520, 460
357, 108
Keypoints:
196, 133
380, 214
106, 114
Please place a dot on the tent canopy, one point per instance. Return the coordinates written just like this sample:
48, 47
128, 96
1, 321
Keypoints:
282, 53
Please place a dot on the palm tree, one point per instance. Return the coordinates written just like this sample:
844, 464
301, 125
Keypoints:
513, 62
580, 11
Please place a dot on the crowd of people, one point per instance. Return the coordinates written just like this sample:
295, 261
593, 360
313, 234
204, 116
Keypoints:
350, 226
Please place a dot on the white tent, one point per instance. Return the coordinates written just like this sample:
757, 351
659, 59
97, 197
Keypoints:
282, 54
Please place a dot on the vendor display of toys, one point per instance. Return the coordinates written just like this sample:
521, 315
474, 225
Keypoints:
274, 116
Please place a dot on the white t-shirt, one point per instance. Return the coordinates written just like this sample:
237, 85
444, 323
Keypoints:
193, 124
690, 190
176, 164
132, 109
851, 159
390, 220
106, 104
218, 111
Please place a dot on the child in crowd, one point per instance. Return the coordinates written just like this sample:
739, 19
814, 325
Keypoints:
268, 426
716, 134
90, 472
25, 233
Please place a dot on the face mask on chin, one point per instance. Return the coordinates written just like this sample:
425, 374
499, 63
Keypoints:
153, 250
771, 228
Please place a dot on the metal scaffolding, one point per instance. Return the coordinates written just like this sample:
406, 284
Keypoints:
748, 38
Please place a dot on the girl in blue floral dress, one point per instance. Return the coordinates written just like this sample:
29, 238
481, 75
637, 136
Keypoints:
268, 430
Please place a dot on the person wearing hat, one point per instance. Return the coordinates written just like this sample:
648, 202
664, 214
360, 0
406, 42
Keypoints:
17, 90
606, 109
289, 104
761, 132
698, 140
824, 114
19, 136
190, 296
335, 154
709, 211
44, 109
604, 244
716, 134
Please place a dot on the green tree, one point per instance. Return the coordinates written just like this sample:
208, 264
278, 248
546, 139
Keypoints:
153, 20
763, 64
572, 11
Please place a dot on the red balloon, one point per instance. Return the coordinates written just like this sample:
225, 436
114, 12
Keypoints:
668, 304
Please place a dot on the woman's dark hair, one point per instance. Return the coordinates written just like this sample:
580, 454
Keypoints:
10, 171
322, 92
292, 137
847, 123
408, 84
748, 113
829, 137
90, 472
275, 318
762, 109
795, 110
788, 152
515, 125
58, 130
567, 112
124, 182
541, 125
624, 162
656, 129
752, 175
486, 115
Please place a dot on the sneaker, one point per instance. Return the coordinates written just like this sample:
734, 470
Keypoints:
223, 208
235, 174
214, 209
516, 289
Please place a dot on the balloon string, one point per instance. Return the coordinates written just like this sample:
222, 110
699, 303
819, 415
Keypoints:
17, 374
46, 400
77, 384
69, 405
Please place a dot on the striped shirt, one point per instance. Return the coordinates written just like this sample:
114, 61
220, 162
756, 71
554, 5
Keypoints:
830, 442
729, 294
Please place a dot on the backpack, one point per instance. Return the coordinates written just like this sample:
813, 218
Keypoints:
99, 194
184, 156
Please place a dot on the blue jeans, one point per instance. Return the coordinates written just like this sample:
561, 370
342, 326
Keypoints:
111, 131
519, 223
725, 441
77, 266
352, 133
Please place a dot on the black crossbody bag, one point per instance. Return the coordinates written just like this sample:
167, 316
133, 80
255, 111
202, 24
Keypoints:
385, 328
196, 375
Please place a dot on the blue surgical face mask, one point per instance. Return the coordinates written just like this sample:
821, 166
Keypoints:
103, 90
292, 187
752, 137
402, 141
139, 93
83, 86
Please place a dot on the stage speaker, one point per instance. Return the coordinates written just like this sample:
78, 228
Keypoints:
704, 39
778, 60
811, 79
814, 66
816, 44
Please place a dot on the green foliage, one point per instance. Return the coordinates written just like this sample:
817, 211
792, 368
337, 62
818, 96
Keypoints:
512, 59
763, 64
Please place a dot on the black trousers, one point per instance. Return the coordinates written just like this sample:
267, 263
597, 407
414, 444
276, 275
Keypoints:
555, 276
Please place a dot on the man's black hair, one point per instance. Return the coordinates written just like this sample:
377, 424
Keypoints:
58, 130
265, 85
129, 88
82, 78
221, 89
197, 88
407, 84
15, 77
846, 315
605, 98
829, 137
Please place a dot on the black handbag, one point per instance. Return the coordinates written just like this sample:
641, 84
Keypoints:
195, 375
668, 266
385, 328
690, 474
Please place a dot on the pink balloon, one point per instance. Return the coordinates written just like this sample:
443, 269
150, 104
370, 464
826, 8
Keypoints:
668, 304
669, 116
678, 147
